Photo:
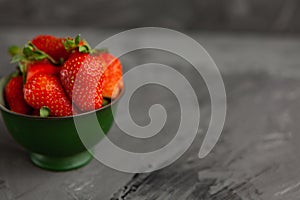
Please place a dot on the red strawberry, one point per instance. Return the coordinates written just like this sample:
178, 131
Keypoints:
14, 96
112, 80
81, 77
41, 67
52, 46
44, 90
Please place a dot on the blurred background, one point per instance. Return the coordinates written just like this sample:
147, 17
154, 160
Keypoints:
271, 16
248, 28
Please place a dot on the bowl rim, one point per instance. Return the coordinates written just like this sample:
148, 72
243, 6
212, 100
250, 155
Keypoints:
114, 101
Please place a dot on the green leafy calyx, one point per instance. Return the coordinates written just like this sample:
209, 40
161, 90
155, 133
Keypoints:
44, 111
79, 44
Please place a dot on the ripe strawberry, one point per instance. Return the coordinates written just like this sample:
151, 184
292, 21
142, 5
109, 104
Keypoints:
14, 96
112, 78
42, 66
44, 90
52, 46
81, 77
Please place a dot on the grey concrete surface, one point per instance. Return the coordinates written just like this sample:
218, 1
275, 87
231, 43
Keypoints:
256, 158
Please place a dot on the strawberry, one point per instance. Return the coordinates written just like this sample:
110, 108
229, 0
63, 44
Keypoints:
112, 78
52, 46
44, 90
42, 66
81, 77
14, 96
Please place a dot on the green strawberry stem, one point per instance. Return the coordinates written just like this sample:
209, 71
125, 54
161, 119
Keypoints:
33, 53
77, 43
44, 111
82, 46
29, 53
105, 102
14, 50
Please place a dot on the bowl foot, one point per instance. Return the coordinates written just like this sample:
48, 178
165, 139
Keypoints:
61, 163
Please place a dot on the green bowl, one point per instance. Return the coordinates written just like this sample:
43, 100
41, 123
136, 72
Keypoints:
53, 142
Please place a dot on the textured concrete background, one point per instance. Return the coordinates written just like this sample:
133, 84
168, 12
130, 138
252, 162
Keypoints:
248, 15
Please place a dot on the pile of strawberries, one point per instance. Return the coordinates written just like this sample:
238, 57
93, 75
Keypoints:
57, 76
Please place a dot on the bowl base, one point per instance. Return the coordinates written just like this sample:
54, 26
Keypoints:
61, 163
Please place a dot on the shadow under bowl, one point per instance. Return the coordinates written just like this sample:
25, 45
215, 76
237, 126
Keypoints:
54, 142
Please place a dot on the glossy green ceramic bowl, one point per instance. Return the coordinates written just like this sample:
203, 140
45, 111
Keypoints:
53, 142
